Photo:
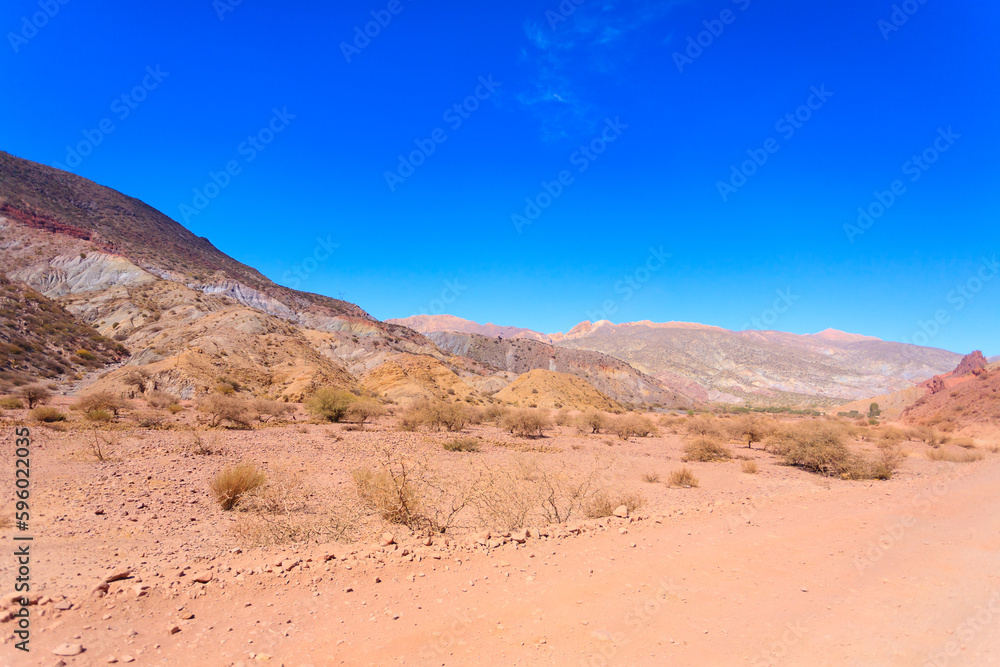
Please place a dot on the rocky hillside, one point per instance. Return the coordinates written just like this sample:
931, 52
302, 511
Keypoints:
546, 389
426, 323
968, 394
763, 367
39, 339
189, 313
605, 373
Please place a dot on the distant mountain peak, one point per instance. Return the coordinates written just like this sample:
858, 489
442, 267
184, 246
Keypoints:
842, 336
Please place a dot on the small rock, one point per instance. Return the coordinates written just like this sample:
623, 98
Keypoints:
387, 539
117, 575
203, 577
621, 512
186, 616
68, 649
173, 629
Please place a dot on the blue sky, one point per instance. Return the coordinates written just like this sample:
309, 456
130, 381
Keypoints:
692, 161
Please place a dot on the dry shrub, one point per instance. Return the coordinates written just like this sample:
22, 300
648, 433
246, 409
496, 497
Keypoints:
883, 466
891, 434
47, 415
203, 447
410, 493
603, 503
174, 408
750, 467
101, 400
10, 403
526, 422
329, 404
651, 477
160, 399
592, 421
462, 445
34, 394
494, 413
149, 419
232, 483
706, 450
952, 456
361, 411
100, 446
221, 408
705, 426
625, 426
683, 478
926, 434
964, 443
98, 416
283, 492
267, 409
435, 415
672, 422
563, 417
817, 446
751, 428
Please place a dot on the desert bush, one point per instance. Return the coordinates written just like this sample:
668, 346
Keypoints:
891, 434
103, 401
751, 428
86, 355
604, 503
10, 403
883, 466
330, 404
174, 408
232, 483
462, 445
435, 415
160, 399
98, 416
964, 443
683, 478
361, 411
137, 379
625, 426
671, 422
283, 492
706, 450
100, 446
592, 420
925, 434
750, 467
494, 413
952, 456
47, 415
815, 446
705, 426
202, 447
34, 395
267, 409
563, 417
651, 477
221, 408
526, 422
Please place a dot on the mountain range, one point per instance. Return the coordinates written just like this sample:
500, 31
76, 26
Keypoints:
138, 291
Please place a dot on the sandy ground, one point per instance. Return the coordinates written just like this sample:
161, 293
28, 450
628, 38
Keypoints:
781, 567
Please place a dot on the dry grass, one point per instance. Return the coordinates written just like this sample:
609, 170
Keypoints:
952, 456
232, 483
603, 503
651, 477
750, 467
98, 416
462, 445
47, 415
706, 450
10, 403
683, 478
626, 426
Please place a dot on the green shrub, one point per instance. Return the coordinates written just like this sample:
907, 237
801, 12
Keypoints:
330, 404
